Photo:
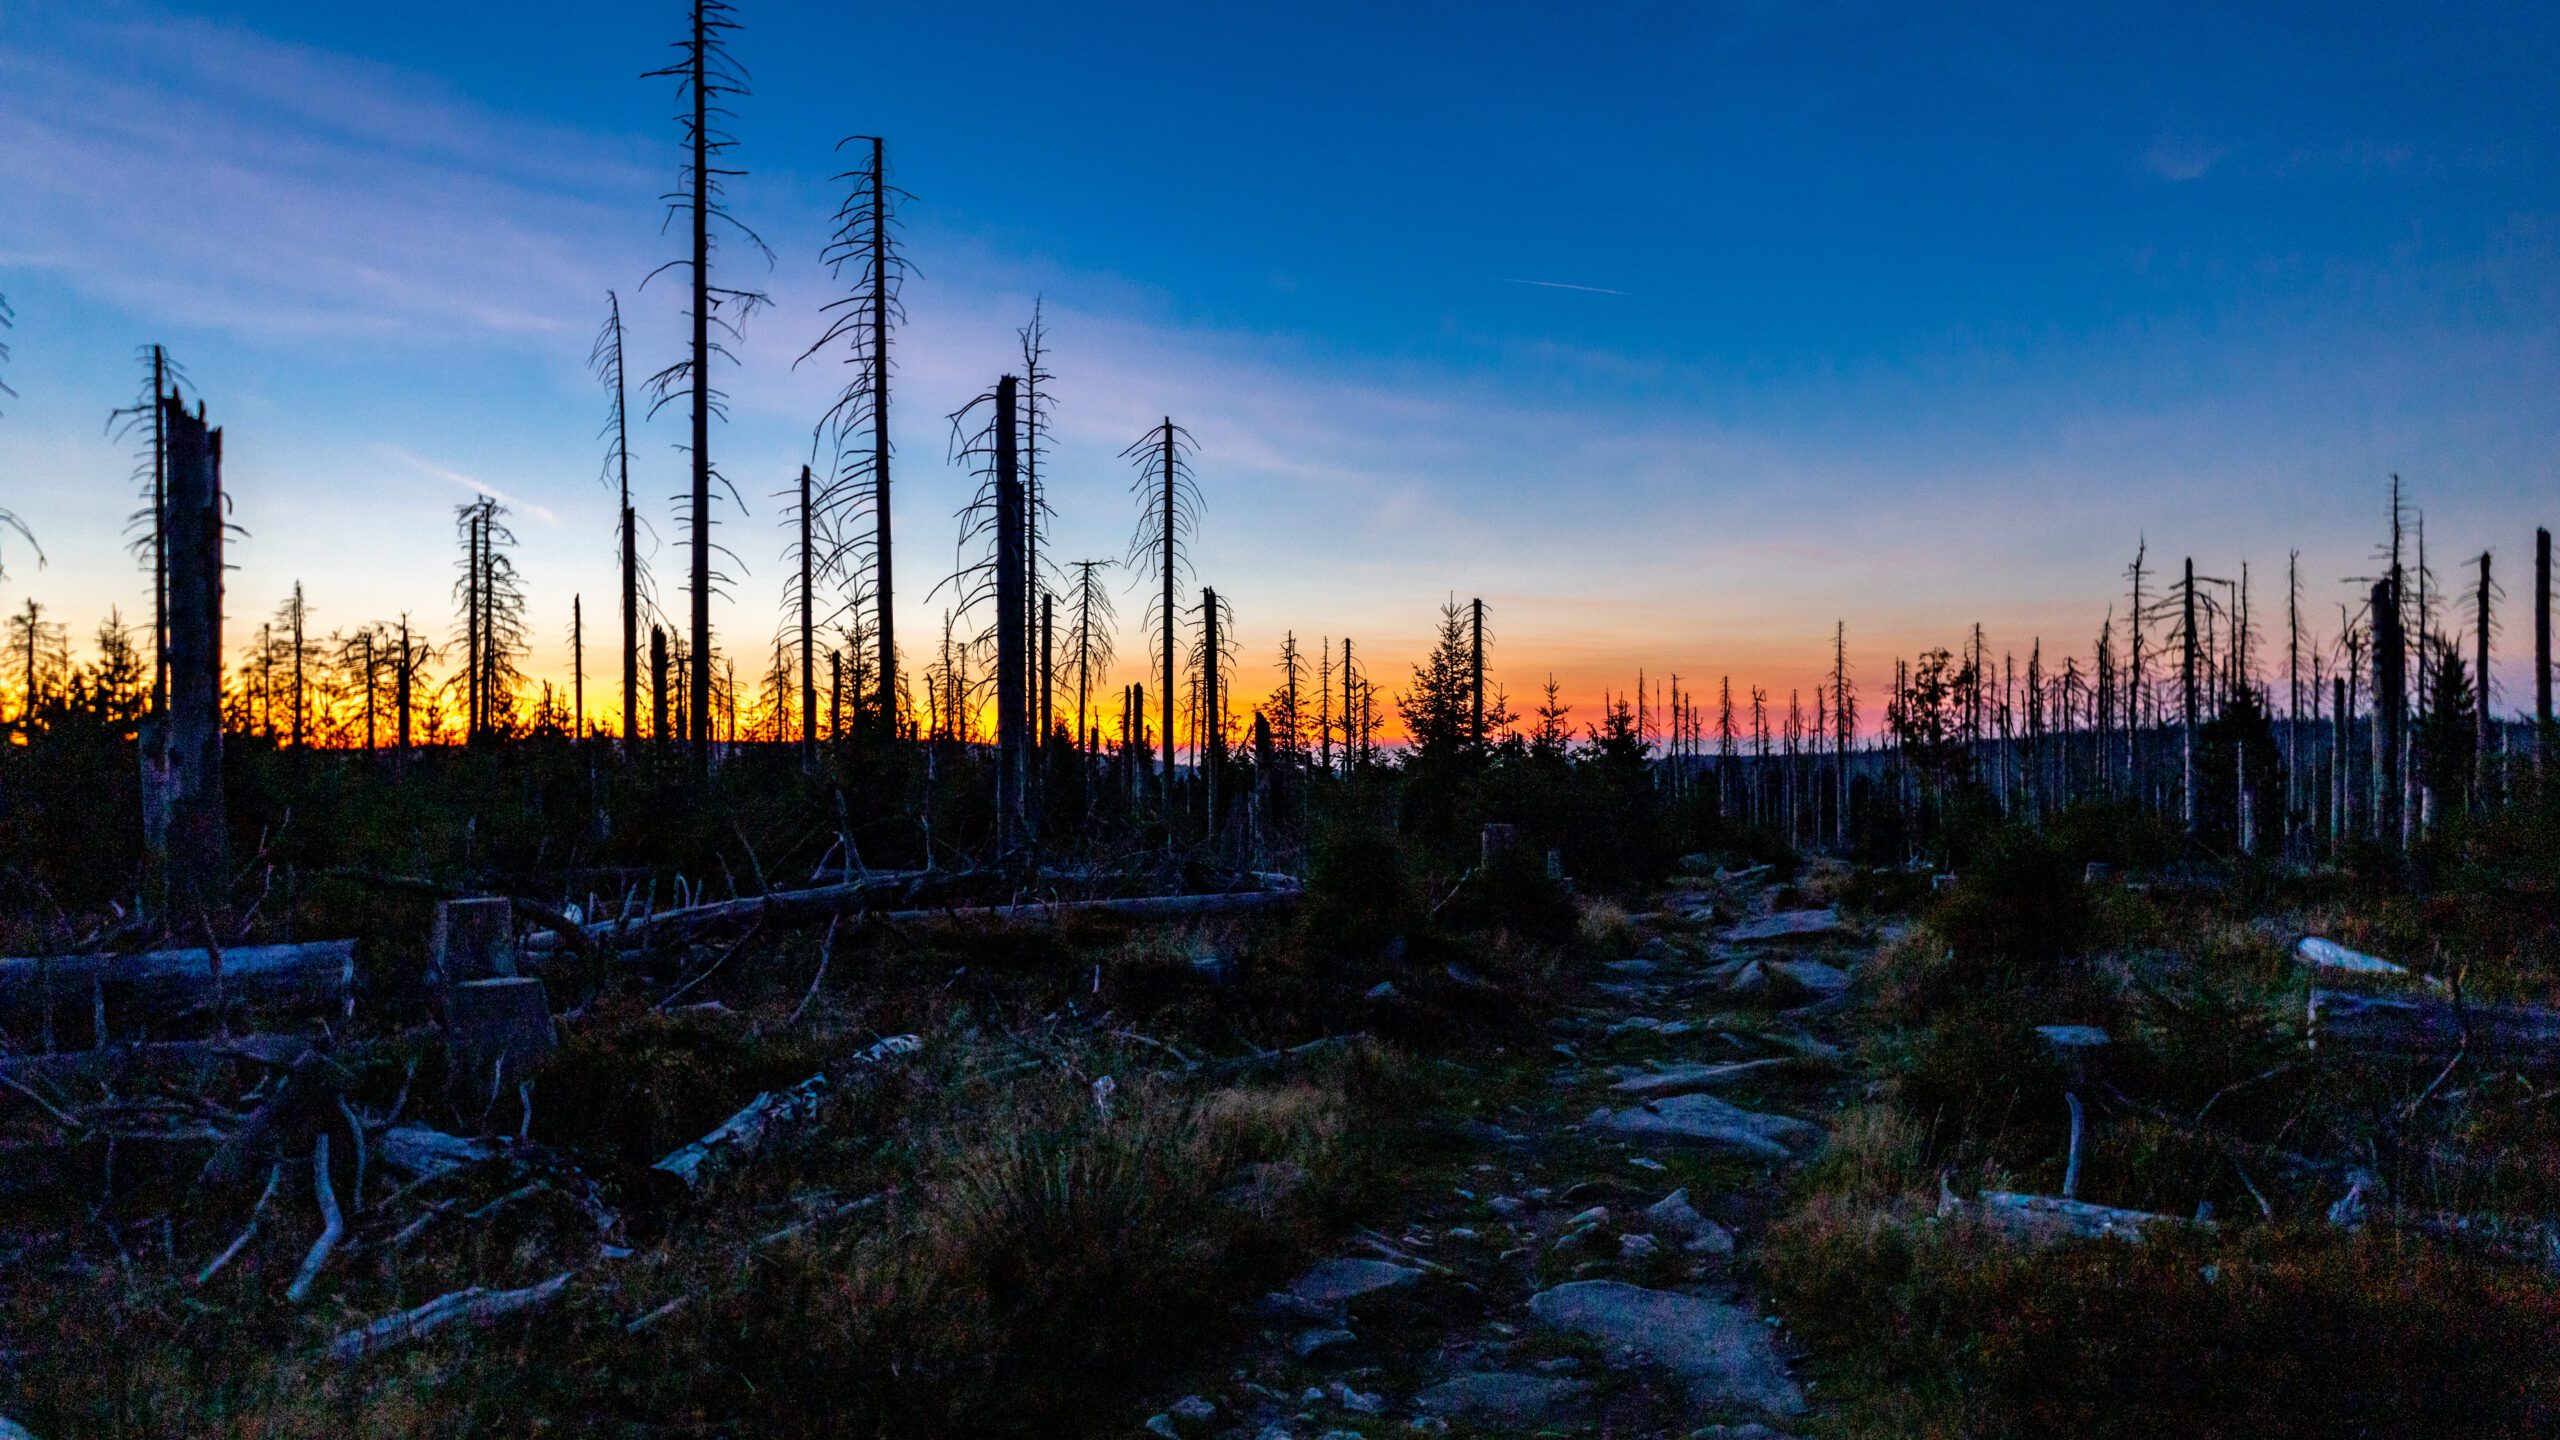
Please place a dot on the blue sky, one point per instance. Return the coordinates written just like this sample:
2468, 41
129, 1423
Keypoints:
1676, 331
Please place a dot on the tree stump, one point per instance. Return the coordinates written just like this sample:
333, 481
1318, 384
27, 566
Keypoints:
474, 940
505, 1019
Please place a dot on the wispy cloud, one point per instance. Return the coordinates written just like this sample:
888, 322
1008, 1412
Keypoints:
471, 483
210, 176
2181, 158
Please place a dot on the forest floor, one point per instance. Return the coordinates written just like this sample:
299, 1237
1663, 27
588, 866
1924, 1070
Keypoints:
1575, 1247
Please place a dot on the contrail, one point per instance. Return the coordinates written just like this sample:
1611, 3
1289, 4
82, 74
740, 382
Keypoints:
456, 477
1560, 285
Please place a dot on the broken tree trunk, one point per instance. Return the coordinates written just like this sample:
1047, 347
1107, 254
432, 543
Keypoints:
474, 939
2416, 1029
2050, 1219
191, 846
739, 1136
316, 975
497, 1027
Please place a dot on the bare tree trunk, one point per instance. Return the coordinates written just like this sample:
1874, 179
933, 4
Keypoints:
658, 687
1012, 651
2484, 762
1213, 727
2543, 738
577, 668
1475, 674
159, 533
196, 862
2187, 702
886, 623
2341, 782
808, 638
700, 519
2389, 696
1165, 696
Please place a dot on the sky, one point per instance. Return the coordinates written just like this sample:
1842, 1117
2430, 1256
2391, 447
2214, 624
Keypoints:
1677, 332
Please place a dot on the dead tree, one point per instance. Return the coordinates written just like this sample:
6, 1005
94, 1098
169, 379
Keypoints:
1209, 735
144, 420
493, 626
190, 815
1092, 633
856, 426
2483, 756
2390, 697
2543, 740
606, 360
1035, 502
658, 687
1475, 675
706, 80
8, 521
1168, 516
1844, 718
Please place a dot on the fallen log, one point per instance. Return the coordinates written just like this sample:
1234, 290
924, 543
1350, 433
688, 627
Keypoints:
2415, 1029
317, 975
421, 1151
2051, 1219
2322, 954
1141, 907
279, 1051
476, 1306
698, 1164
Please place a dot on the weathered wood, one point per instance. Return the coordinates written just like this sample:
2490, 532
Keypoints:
2322, 954
315, 975
2051, 1220
312, 1078
420, 1150
2339, 1021
501, 1021
781, 907
333, 1225
475, 1306
273, 1050
1143, 907
189, 836
698, 1164
474, 939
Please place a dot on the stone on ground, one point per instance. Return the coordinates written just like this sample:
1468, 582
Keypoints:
1786, 925
1707, 1120
1719, 1353
1338, 1282
1499, 1395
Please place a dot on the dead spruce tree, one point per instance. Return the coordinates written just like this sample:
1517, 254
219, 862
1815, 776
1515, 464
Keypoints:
993, 524
1168, 518
707, 78
145, 423
493, 626
9, 521
855, 428
605, 359
1091, 634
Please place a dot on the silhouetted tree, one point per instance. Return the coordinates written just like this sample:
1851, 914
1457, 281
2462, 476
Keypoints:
706, 79
1168, 516
606, 360
856, 425
9, 521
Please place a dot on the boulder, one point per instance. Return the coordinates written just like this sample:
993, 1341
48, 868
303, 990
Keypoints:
1704, 1119
1786, 925
1502, 1396
1339, 1282
1720, 1354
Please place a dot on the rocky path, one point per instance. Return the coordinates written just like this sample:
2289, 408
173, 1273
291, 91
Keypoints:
1582, 1257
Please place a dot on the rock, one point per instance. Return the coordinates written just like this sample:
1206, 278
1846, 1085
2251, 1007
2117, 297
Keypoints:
1813, 975
1673, 1215
1711, 1239
1163, 1425
1194, 1410
1751, 979
1509, 1207
2072, 1037
1383, 990
1275, 1432
1596, 1216
1560, 1365
1339, 1282
1637, 1247
1307, 1344
1499, 1395
1634, 967
1679, 1079
1356, 1402
1282, 1305
1720, 1354
1786, 925
1708, 1120
1747, 1430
